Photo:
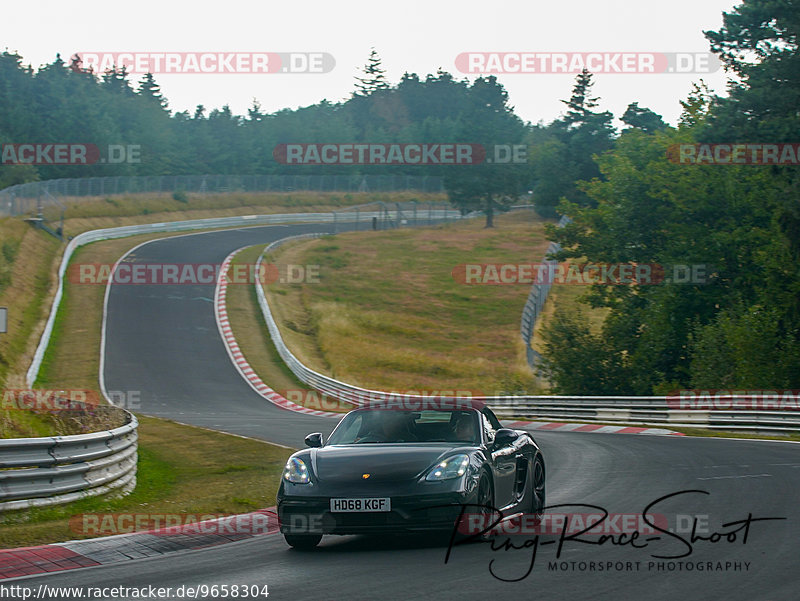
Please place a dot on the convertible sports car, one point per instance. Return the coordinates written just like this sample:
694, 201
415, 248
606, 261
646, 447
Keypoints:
389, 469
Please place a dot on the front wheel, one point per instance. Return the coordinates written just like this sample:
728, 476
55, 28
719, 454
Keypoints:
538, 488
303, 542
486, 505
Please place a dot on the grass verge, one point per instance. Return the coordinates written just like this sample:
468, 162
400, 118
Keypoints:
252, 335
182, 470
387, 312
146, 207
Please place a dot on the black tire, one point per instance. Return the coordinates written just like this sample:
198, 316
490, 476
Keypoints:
538, 488
303, 542
486, 499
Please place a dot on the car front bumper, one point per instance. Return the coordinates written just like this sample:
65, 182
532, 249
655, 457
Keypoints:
417, 513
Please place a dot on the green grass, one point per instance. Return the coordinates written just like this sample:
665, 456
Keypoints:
182, 470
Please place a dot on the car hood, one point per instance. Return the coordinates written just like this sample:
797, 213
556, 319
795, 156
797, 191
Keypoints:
384, 462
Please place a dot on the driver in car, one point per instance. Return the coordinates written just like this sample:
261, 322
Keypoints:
464, 429
391, 426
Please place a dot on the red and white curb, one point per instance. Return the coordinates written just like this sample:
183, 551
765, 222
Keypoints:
235, 353
598, 428
265, 391
57, 557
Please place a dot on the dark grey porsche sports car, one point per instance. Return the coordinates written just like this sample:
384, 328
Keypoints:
399, 469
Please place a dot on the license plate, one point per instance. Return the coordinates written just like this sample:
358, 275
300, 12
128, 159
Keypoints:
361, 505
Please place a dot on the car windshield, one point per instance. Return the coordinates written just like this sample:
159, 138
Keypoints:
366, 426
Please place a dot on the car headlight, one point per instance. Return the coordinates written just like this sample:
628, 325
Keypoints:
296, 471
452, 467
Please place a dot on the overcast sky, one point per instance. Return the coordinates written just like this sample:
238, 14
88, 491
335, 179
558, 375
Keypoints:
415, 36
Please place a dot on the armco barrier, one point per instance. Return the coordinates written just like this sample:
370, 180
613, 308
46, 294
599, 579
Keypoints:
308, 376
36, 472
61, 469
151, 228
47, 471
638, 410
648, 410
536, 299
170, 226
52, 470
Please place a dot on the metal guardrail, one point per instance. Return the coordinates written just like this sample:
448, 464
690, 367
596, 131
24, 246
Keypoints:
638, 410
536, 299
61, 469
316, 380
36, 472
648, 410
306, 375
151, 228
53, 470
379, 215
169, 226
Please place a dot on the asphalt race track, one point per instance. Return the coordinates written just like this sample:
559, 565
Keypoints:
155, 332
163, 341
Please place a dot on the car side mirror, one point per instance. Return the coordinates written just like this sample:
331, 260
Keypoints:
314, 440
505, 436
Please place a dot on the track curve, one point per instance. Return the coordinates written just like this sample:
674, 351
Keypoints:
163, 341
155, 332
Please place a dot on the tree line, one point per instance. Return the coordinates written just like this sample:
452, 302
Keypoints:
739, 329
629, 200
65, 103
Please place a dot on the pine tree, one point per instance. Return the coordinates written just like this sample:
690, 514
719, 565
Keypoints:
374, 76
148, 88
254, 112
642, 118
116, 80
76, 64
580, 103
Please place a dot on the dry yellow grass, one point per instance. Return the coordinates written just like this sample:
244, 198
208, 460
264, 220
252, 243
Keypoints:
388, 314
109, 211
26, 295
